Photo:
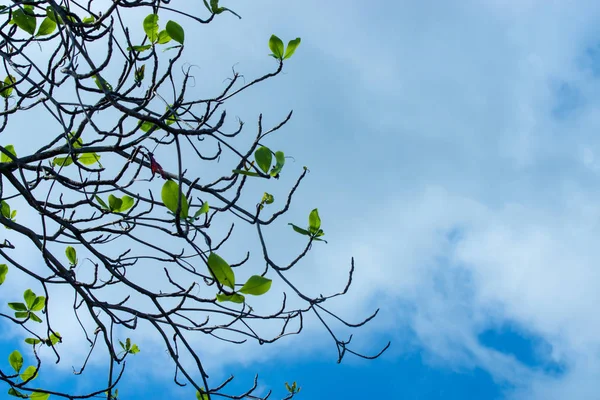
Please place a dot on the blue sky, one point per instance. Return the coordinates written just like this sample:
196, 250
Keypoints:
454, 152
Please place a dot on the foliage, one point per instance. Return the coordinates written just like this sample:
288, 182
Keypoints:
109, 215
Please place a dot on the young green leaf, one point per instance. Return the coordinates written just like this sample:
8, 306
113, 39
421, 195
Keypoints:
29, 297
126, 203
34, 317
234, 298
16, 393
267, 198
38, 304
256, 285
29, 373
134, 349
170, 197
17, 306
114, 203
21, 314
62, 161
200, 394
314, 222
16, 361
11, 149
145, 126
300, 230
175, 31
202, 210
89, 20
100, 81
291, 48
46, 27
263, 157
276, 46
71, 254
55, 338
247, 173
25, 20
151, 27
53, 15
88, 158
221, 271
163, 37
140, 48
32, 341
3, 272
101, 202
279, 163
139, 73
39, 396
7, 87
5, 209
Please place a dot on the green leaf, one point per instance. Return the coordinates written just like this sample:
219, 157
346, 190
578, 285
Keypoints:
175, 31
5, 209
114, 203
221, 271
13, 214
55, 338
256, 285
62, 161
202, 210
101, 202
46, 27
145, 126
16, 361
140, 48
126, 203
200, 395
3, 272
35, 317
139, 73
16, 393
300, 230
24, 20
151, 27
71, 254
163, 37
39, 396
7, 91
263, 157
53, 15
291, 48
267, 198
29, 297
30, 372
32, 341
18, 306
134, 349
38, 304
279, 163
89, 20
88, 158
314, 222
276, 46
247, 173
99, 81
21, 314
234, 298
170, 197
11, 149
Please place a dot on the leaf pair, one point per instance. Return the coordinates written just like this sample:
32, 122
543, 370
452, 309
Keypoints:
172, 31
264, 158
115, 204
220, 270
7, 212
276, 46
128, 347
314, 226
